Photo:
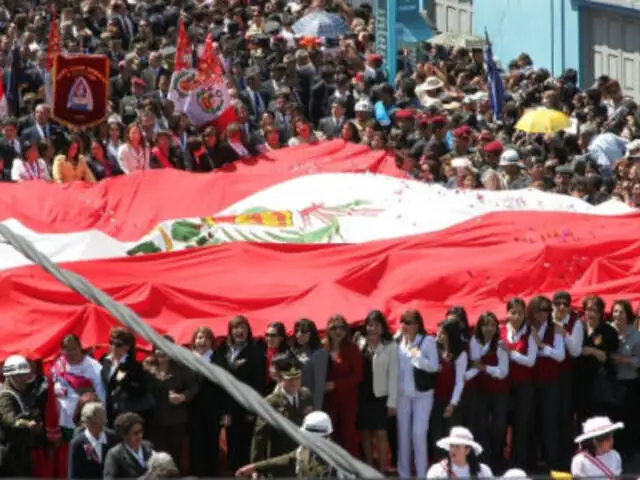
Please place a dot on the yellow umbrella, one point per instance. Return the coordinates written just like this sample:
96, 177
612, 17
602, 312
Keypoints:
556, 475
543, 120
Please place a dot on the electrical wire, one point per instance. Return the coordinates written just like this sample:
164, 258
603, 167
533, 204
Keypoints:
242, 393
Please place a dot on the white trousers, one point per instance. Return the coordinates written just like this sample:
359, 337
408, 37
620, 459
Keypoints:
413, 415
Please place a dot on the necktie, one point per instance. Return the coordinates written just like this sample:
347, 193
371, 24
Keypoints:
256, 100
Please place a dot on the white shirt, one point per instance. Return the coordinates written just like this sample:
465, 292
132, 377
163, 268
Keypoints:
477, 351
556, 351
23, 171
529, 359
139, 455
461, 368
585, 467
67, 398
131, 160
574, 340
96, 443
440, 470
427, 361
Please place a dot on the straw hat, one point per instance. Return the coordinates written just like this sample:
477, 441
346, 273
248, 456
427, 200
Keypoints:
597, 426
459, 436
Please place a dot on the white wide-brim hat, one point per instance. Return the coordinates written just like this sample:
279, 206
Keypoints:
516, 473
459, 436
596, 427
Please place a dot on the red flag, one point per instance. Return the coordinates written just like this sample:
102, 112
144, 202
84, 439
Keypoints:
209, 66
184, 49
53, 46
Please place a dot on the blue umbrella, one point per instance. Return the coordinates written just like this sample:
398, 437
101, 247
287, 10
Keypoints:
321, 24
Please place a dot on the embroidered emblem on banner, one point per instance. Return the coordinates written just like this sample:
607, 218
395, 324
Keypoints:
211, 100
80, 96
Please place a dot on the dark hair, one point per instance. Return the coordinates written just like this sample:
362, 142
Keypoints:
281, 331
472, 461
628, 310
460, 314
71, 337
125, 422
238, 319
314, 337
516, 302
378, 317
594, 301
455, 342
482, 321
538, 304
413, 315
125, 337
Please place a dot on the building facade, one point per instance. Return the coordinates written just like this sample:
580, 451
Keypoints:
597, 37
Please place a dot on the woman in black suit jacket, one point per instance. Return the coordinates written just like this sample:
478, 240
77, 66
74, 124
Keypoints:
129, 458
244, 359
234, 145
123, 377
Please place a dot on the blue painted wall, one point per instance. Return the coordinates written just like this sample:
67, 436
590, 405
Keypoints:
548, 30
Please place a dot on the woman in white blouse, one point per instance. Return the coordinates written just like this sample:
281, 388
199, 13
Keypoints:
449, 381
546, 377
379, 387
114, 139
462, 459
598, 458
517, 341
417, 363
32, 167
489, 367
134, 154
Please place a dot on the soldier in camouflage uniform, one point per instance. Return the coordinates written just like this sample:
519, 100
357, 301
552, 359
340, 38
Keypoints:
292, 401
20, 425
302, 462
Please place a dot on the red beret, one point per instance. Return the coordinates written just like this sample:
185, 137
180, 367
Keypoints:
493, 147
138, 81
438, 119
485, 137
404, 114
422, 118
462, 132
373, 56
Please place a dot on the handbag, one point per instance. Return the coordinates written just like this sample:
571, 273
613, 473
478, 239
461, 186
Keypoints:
423, 380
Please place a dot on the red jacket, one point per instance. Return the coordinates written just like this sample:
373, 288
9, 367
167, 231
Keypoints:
346, 370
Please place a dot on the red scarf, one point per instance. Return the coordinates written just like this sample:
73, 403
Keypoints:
271, 352
197, 154
162, 158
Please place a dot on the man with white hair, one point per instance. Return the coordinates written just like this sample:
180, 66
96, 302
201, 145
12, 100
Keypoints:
88, 449
161, 465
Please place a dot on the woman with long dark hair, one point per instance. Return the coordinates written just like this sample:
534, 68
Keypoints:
546, 378
462, 459
343, 377
417, 364
598, 458
517, 341
449, 381
379, 386
489, 369
307, 346
627, 361
276, 342
244, 359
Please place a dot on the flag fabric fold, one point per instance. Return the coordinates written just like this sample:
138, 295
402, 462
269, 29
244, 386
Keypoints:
183, 78
54, 49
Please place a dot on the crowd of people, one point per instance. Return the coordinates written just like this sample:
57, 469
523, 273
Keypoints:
519, 389
519, 384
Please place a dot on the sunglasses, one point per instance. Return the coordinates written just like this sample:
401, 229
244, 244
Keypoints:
561, 304
116, 343
408, 322
271, 335
338, 327
303, 331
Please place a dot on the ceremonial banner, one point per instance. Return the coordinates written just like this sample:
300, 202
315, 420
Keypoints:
80, 89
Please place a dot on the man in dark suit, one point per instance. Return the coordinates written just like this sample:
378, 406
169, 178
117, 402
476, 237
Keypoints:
88, 449
9, 145
154, 71
253, 97
42, 129
130, 104
331, 126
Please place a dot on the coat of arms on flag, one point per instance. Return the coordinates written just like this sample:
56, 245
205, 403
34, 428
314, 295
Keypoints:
80, 89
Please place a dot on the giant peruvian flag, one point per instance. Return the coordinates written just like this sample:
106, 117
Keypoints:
303, 232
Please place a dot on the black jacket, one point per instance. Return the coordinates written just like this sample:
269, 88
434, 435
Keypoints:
83, 463
126, 389
120, 463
